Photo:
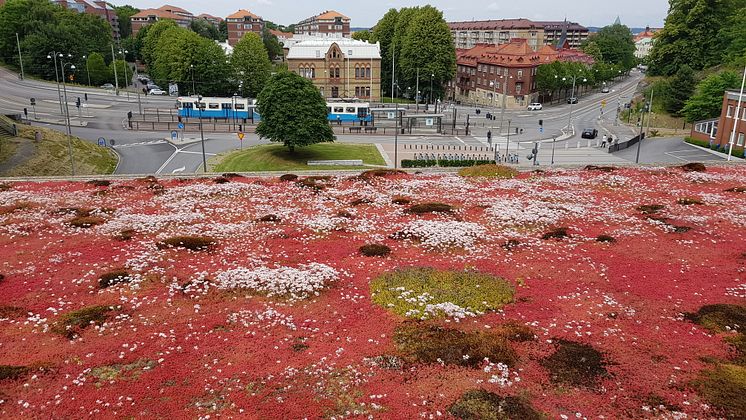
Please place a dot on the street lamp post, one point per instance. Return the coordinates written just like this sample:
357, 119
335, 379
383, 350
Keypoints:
417, 91
505, 94
69, 129
430, 98
736, 119
126, 78
53, 56
191, 69
202, 133
396, 138
572, 100
87, 72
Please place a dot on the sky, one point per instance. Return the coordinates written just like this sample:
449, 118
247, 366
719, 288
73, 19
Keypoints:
633, 13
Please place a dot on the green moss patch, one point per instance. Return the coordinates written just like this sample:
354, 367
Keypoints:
556, 233
694, 167
71, 324
8, 372
650, 208
86, 222
478, 404
408, 292
689, 201
724, 386
113, 373
192, 243
575, 364
113, 277
11, 312
489, 171
720, 317
375, 250
418, 342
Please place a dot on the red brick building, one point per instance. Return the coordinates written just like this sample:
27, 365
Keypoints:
211, 19
150, 16
242, 22
719, 131
92, 7
328, 24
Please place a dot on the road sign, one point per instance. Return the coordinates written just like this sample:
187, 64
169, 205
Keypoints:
102, 142
174, 135
181, 126
541, 129
33, 101
390, 115
112, 142
429, 122
240, 135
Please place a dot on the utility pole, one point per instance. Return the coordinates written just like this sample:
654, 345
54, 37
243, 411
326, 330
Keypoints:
393, 70
417, 91
639, 143
20, 57
554, 140
396, 138
114, 61
69, 129
53, 56
650, 110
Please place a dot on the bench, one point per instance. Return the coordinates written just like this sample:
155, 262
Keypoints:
370, 129
355, 129
352, 162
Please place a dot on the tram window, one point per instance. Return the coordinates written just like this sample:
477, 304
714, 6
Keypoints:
226, 106
362, 112
214, 106
338, 109
328, 110
240, 106
350, 109
201, 105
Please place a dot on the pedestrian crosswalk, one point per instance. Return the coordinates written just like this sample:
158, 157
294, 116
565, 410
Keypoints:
142, 143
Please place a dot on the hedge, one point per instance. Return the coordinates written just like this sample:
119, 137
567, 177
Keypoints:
443, 163
702, 143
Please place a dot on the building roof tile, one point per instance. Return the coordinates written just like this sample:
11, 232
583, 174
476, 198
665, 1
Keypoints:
242, 13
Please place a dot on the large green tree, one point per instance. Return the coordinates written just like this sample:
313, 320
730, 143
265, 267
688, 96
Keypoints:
428, 46
384, 34
293, 112
205, 29
272, 45
362, 35
98, 70
251, 64
691, 35
591, 48
733, 35
678, 89
707, 101
124, 15
616, 45
152, 39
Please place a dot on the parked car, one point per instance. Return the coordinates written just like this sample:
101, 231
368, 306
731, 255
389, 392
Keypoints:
144, 80
107, 86
605, 90
572, 100
157, 92
535, 107
589, 133
152, 86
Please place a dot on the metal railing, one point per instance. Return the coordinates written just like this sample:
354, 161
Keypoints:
626, 144
8, 126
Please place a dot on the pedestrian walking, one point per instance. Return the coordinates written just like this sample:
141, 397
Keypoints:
603, 141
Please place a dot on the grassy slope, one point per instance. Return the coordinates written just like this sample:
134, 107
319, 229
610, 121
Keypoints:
53, 159
8, 147
275, 157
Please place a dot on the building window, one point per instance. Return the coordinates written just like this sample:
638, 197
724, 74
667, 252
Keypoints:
367, 94
520, 73
740, 140
367, 75
247, 26
357, 91
335, 92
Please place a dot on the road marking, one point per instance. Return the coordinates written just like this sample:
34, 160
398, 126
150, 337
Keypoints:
182, 169
143, 143
676, 157
462, 142
196, 153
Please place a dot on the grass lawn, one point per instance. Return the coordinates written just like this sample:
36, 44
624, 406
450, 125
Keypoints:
52, 156
275, 157
8, 147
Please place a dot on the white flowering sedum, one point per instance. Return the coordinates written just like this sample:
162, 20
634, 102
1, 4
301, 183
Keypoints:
293, 283
441, 235
522, 212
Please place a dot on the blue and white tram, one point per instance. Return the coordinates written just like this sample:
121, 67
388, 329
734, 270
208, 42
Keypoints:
354, 112
220, 108
243, 108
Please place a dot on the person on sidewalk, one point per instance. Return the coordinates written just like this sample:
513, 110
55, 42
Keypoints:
603, 141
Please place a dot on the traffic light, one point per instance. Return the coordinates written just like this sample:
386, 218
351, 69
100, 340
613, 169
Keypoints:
33, 101
240, 127
77, 102
86, 97
25, 111
129, 115
541, 122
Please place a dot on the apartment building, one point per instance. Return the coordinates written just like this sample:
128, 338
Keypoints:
242, 22
327, 24
339, 68
178, 11
211, 19
720, 131
93, 7
644, 42
149, 16
467, 35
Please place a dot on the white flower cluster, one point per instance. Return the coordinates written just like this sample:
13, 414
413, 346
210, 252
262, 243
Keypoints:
268, 318
738, 291
194, 288
700, 177
439, 235
432, 310
324, 223
293, 283
517, 212
502, 376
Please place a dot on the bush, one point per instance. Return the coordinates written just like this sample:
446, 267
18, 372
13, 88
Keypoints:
14, 208
8, 372
99, 183
231, 175
10, 312
702, 143
719, 316
556, 233
472, 291
288, 177
689, 201
345, 214
270, 218
491, 170
84, 222
443, 163
192, 243
430, 208
600, 168
113, 277
5, 187
418, 342
360, 202
575, 364
125, 235
314, 182
736, 190
401, 200
375, 250
694, 167
221, 180
650, 208
478, 404
73, 323
381, 173
605, 239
